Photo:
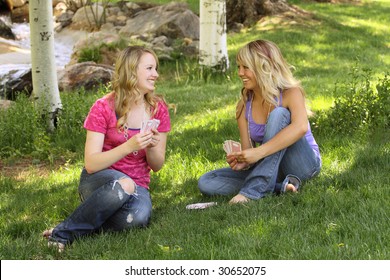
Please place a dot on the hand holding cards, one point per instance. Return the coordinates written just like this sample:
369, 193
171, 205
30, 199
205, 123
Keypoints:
148, 125
231, 146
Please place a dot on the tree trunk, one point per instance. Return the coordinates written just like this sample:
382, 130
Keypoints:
213, 38
44, 71
248, 12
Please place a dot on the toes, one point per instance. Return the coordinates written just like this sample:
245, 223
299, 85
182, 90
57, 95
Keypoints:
58, 245
47, 233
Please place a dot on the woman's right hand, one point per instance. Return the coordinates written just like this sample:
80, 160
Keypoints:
234, 164
139, 141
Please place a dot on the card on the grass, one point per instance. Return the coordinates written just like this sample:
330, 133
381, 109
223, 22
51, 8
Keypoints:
200, 205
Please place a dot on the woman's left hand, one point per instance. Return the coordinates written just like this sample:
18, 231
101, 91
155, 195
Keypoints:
155, 138
248, 156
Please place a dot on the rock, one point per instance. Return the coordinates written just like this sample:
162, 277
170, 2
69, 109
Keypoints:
88, 75
6, 31
173, 21
5, 104
14, 81
88, 18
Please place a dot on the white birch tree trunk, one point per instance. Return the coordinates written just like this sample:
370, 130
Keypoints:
44, 71
213, 37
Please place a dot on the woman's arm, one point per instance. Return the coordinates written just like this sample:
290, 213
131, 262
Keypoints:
155, 152
244, 137
244, 134
96, 160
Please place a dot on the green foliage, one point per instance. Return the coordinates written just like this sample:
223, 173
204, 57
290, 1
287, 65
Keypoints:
94, 52
24, 131
90, 54
21, 129
363, 104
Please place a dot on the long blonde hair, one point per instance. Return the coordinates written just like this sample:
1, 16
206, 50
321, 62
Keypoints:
124, 83
271, 70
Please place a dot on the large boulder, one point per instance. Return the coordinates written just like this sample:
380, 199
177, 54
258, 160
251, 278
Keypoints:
6, 31
14, 81
15, 3
20, 14
88, 17
87, 75
173, 20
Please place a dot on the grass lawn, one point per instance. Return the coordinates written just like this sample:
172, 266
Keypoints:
342, 214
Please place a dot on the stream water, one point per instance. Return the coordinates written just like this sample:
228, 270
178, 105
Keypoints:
63, 46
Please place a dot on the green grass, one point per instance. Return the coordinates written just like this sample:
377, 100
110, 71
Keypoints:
341, 214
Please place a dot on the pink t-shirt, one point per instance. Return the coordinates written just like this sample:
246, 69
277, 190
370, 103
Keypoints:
102, 118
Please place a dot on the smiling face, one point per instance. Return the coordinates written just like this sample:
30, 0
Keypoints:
248, 77
147, 73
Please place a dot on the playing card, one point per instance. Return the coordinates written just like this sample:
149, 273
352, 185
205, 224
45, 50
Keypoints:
236, 147
148, 125
156, 123
231, 146
200, 205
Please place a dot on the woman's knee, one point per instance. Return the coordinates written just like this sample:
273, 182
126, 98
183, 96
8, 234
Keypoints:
279, 113
279, 118
204, 184
140, 218
127, 184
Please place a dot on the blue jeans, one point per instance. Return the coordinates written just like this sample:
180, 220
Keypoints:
267, 175
105, 206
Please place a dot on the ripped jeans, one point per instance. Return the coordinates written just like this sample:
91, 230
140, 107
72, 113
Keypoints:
267, 175
105, 206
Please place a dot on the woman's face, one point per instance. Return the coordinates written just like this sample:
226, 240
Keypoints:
147, 73
248, 77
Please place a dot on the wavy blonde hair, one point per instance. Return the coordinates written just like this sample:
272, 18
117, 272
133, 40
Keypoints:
271, 70
124, 83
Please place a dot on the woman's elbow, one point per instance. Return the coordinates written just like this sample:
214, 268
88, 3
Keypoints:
157, 167
302, 129
89, 168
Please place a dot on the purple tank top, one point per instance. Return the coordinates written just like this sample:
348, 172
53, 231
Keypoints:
257, 131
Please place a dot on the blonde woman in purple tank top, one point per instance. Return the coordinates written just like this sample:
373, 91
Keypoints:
279, 151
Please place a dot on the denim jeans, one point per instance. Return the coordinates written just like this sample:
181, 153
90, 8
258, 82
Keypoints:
267, 175
105, 206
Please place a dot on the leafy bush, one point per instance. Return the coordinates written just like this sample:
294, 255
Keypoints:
365, 104
21, 128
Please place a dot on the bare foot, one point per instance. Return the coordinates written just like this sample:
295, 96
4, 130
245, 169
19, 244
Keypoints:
239, 199
47, 233
291, 188
58, 245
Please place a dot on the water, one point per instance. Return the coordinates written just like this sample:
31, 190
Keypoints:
17, 63
63, 46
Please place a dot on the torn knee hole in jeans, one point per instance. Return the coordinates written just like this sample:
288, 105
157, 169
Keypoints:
127, 185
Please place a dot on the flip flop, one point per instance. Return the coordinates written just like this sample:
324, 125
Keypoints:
290, 179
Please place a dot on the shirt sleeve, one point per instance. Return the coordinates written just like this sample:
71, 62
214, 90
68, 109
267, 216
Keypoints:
98, 117
162, 114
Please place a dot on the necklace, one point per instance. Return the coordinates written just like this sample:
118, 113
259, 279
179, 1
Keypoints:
126, 127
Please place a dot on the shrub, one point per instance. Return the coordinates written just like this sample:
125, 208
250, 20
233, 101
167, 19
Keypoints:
364, 104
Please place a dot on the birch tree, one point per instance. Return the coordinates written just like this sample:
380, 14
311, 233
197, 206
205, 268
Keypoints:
44, 72
213, 37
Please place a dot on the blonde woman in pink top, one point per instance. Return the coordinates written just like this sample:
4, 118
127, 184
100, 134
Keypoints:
120, 152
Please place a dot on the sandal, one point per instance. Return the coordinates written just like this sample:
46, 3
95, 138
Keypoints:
290, 179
